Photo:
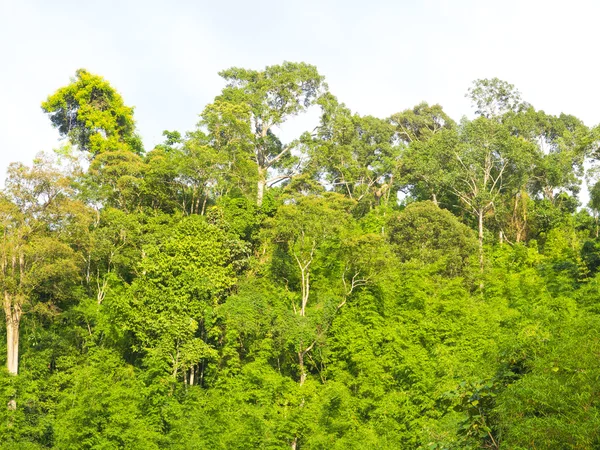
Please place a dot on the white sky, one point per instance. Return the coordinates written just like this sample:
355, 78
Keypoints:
379, 57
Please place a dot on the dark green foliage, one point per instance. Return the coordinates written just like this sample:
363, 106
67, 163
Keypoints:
428, 235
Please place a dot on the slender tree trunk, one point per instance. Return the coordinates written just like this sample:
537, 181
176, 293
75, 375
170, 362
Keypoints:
301, 366
434, 199
204, 204
480, 226
201, 374
305, 291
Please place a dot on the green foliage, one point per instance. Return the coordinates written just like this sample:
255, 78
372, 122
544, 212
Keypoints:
101, 408
555, 404
353, 154
92, 115
166, 300
170, 307
493, 97
427, 235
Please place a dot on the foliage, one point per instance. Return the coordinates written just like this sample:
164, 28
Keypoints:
92, 115
169, 300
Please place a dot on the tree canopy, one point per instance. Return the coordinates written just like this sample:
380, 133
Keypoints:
411, 281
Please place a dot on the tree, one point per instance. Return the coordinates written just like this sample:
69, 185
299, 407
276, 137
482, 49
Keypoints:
487, 162
426, 132
562, 144
421, 122
115, 179
594, 203
254, 103
92, 115
35, 263
302, 227
493, 97
428, 235
354, 155
169, 308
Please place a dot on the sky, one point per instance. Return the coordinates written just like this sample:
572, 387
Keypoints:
379, 57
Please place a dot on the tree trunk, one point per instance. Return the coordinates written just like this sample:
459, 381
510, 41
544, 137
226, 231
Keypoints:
260, 188
480, 226
305, 291
302, 368
12, 312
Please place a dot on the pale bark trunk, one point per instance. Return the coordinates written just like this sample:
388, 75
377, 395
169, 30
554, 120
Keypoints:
14, 348
302, 368
12, 313
260, 188
305, 291
204, 205
520, 218
480, 226
434, 199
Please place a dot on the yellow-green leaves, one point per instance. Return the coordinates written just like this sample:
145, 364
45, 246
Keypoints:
92, 115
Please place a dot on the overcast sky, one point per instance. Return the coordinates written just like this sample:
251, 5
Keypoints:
379, 57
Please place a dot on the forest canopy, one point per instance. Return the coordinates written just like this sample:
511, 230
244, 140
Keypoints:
406, 282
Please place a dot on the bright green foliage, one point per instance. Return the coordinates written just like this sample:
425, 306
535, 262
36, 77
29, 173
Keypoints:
157, 304
555, 404
102, 408
170, 307
428, 133
92, 115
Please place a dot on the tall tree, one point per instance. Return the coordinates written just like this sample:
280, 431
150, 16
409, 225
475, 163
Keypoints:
421, 122
493, 97
487, 162
426, 133
261, 101
353, 154
169, 308
562, 142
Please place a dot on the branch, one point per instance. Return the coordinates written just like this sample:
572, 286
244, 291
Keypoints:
309, 348
278, 157
276, 180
